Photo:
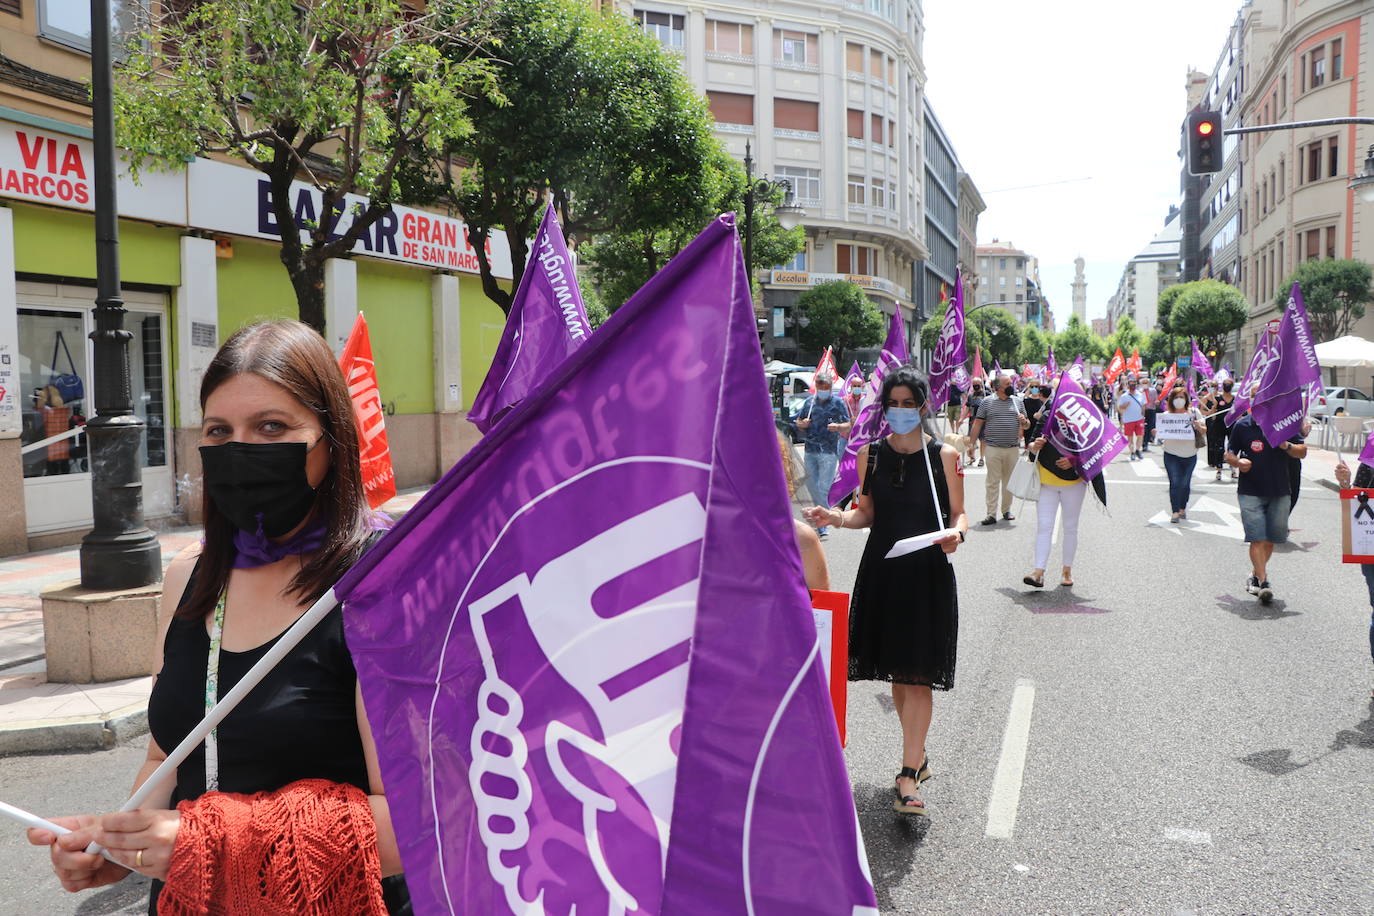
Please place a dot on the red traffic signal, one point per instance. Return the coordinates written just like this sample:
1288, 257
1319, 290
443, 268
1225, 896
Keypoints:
1205, 154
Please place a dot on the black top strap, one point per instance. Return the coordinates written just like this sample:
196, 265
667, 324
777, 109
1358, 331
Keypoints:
872, 464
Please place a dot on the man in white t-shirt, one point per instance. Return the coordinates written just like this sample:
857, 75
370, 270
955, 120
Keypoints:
1130, 406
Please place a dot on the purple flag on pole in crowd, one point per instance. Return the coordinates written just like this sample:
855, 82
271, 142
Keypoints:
960, 379
869, 425
949, 348
1051, 369
1253, 372
996, 369
1076, 371
1080, 431
1366, 454
1200, 361
1278, 406
546, 323
855, 374
558, 646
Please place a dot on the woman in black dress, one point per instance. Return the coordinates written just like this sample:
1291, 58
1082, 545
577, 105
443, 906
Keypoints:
904, 617
1218, 405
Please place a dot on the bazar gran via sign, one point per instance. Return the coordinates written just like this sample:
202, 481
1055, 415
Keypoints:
52, 168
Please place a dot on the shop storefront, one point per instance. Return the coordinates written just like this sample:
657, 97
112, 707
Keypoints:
199, 260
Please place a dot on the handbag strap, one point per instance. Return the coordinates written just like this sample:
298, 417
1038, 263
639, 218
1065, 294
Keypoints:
934, 496
61, 341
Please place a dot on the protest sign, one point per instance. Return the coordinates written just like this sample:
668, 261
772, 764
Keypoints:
1357, 526
1174, 426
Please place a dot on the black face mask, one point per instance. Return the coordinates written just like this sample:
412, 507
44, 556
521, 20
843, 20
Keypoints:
254, 484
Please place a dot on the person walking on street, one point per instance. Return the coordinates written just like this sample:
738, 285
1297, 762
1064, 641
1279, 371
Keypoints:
1151, 408
1215, 406
1034, 401
1263, 495
1001, 419
975, 397
1062, 490
819, 420
904, 617
1180, 456
1364, 479
1130, 406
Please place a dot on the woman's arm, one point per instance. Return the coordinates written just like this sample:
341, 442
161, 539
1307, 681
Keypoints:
387, 848
814, 567
954, 482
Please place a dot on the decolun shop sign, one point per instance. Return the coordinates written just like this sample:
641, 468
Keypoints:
229, 198
58, 170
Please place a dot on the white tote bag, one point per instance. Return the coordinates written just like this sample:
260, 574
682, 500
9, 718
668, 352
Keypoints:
1025, 481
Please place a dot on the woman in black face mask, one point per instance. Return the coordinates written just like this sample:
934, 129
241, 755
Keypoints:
285, 516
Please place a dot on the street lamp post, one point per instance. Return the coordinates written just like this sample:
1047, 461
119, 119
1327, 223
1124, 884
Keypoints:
789, 213
119, 552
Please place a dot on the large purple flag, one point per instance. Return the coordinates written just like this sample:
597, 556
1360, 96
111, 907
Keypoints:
869, 425
558, 646
1080, 431
1200, 361
949, 349
546, 323
1278, 405
1264, 353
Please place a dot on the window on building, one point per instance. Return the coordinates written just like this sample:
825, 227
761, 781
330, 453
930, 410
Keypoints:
1313, 243
879, 194
1283, 93
667, 28
855, 259
1282, 166
876, 128
69, 23
798, 262
892, 133
1020, 263
855, 124
1002, 264
1333, 159
983, 265
892, 72
853, 57
1314, 161
983, 299
1330, 241
797, 114
1002, 282
806, 183
731, 107
875, 65
795, 47
857, 190
1020, 281
892, 195
1316, 74
1002, 297
729, 38
1336, 59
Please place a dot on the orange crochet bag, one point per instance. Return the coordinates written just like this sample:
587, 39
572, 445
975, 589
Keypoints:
307, 849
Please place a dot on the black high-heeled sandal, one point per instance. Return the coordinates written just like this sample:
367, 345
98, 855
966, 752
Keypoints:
909, 804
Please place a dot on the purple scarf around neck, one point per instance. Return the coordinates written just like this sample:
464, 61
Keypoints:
257, 549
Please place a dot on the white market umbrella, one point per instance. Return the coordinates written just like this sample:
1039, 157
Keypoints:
1348, 352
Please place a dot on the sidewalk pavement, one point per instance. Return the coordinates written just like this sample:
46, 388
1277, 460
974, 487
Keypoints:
38, 716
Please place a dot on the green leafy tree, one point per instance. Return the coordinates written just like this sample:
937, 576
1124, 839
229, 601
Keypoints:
597, 313
1161, 349
1126, 336
1208, 310
623, 260
1034, 346
1164, 306
1077, 339
838, 314
1334, 291
1000, 335
339, 94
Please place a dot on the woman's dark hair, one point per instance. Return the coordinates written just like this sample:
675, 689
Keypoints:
292, 355
908, 376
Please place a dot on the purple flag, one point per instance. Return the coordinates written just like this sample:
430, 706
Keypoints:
1200, 361
546, 323
869, 425
960, 379
1051, 369
855, 374
1366, 454
1263, 355
949, 349
558, 646
996, 369
1278, 405
1076, 371
1080, 431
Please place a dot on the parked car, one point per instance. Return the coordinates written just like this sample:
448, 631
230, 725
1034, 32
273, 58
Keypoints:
1338, 401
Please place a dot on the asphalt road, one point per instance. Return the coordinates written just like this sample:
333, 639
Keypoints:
1186, 750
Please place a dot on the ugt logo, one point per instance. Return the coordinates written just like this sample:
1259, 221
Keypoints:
1078, 420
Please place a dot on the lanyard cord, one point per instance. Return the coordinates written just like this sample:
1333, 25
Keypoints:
212, 696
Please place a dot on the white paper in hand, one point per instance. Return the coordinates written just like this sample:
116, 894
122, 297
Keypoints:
919, 542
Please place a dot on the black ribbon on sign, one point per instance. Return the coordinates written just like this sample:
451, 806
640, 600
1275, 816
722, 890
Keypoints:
1364, 508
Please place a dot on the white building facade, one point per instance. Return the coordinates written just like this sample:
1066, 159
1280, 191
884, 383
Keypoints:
828, 95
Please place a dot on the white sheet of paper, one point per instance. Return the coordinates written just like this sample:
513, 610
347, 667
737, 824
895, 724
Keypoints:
919, 542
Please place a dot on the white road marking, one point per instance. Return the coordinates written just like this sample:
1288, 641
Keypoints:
1146, 467
1229, 513
1011, 765
1184, 835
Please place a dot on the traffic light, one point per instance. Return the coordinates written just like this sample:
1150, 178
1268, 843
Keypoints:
1204, 142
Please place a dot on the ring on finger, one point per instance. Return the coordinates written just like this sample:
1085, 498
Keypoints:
138, 859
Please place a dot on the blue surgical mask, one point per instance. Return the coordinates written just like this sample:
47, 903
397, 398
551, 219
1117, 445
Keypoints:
856, 392
822, 395
903, 419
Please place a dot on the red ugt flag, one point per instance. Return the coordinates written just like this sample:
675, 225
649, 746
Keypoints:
1115, 367
379, 480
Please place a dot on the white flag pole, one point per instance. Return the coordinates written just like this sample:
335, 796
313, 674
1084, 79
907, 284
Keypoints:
35, 822
288, 641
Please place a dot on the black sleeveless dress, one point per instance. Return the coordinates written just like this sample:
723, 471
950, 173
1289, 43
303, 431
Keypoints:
1217, 430
904, 617
299, 723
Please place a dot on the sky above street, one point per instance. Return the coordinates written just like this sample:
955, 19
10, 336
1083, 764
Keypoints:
1049, 94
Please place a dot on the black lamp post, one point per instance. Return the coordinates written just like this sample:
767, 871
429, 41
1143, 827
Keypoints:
789, 213
119, 552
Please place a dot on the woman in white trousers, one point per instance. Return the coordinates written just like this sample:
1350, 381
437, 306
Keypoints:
1062, 491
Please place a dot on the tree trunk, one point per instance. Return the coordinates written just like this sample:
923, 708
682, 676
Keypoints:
307, 279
